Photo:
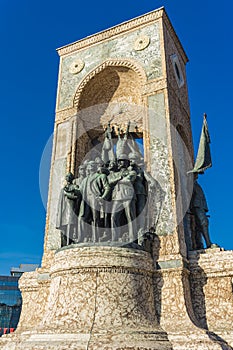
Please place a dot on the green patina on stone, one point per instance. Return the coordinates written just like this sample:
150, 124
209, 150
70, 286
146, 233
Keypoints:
120, 47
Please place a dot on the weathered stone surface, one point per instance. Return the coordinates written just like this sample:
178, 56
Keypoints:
143, 86
113, 298
118, 47
34, 287
211, 288
103, 295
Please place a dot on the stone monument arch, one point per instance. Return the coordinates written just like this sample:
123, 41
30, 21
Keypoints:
111, 91
127, 65
149, 291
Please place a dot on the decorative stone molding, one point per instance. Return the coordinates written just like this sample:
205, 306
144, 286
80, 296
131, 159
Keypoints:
131, 64
116, 30
76, 66
101, 257
97, 270
65, 114
121, 29
141, 43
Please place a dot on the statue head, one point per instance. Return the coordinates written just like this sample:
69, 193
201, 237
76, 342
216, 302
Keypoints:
123, 161
69, 177
85, 162
91, 167
122, 156
134, 158
99, 161
112, 165
82, 170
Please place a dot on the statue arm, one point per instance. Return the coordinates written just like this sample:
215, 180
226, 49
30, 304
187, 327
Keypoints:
119, 133
103, 182
113, 181
109, 133
71, 195
106, 187
130, 177
127, 131
71, 192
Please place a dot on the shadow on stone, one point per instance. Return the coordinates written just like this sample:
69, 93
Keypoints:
198, 280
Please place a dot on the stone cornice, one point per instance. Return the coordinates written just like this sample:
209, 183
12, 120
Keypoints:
113, 31
121, 29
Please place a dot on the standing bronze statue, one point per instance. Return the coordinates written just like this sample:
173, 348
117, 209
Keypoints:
94, 189
121, 146
140, 189
149, 197
199, 209
66, 216
108, 148
198, 204
81, 175
123, 199
78, 236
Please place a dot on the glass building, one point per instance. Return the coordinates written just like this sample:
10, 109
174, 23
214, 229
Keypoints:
10, 303
10, 298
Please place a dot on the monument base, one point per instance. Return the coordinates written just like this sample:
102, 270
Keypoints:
99, 298
100, 341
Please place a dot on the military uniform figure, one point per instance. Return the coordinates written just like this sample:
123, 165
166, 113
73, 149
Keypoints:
94, 189
66, 216
81, 175
140, 189
199, 209
123, 201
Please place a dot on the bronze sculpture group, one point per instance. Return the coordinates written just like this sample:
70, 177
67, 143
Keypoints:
108, 200
114, 200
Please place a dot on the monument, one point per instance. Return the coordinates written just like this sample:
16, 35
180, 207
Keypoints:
123, 266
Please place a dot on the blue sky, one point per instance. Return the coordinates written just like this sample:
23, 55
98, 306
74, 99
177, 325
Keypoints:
30, 32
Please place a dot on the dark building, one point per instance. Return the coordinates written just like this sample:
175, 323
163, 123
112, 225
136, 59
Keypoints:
18, 271
10, 298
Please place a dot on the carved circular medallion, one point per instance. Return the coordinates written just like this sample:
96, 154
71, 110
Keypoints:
76, 66
141, 42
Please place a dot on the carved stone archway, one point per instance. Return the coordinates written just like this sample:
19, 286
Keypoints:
110, 92
127, 63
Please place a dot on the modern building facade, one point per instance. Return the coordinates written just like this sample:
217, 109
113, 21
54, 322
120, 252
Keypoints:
10, 298
10, 303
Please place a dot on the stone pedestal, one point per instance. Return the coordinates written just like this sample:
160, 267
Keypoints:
114, 298
99, 298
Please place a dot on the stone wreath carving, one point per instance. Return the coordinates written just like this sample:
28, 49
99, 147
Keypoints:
141, 43
76, 66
